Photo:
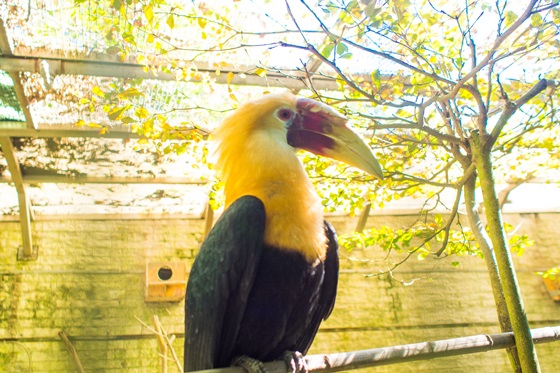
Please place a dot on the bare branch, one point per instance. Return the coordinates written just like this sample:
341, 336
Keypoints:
420, 180
452, 216
546, 7
526, 14
510, 109
504, 193
428, 130
72, 351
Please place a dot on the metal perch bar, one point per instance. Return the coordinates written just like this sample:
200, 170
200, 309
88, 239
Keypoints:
405, 353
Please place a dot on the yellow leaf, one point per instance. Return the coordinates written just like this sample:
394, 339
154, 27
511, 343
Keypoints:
141, 113
202, 22
170, 21
149, 13
232, 96
230, 76
97, 91
260, 72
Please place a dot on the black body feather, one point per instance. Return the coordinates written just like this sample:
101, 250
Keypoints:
245, 298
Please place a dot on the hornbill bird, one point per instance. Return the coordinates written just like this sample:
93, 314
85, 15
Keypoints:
267, 274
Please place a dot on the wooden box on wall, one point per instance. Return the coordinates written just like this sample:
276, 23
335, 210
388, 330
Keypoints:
165, 281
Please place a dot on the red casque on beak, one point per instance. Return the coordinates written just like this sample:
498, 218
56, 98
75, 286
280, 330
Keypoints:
321, 130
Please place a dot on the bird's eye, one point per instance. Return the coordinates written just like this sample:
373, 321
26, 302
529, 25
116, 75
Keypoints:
285, 114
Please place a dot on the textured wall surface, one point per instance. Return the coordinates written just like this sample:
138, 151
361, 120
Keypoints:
89, 281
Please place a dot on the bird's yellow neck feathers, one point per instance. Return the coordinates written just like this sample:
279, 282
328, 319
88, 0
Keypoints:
256, 160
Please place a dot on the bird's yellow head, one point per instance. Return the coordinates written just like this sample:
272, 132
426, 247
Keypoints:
256, 154
292, 122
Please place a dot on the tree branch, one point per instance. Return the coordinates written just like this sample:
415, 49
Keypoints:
447, 227
510, 109
526, 14
70, 347
483, 240
430, 131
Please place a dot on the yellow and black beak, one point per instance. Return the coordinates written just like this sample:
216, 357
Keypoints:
322, 130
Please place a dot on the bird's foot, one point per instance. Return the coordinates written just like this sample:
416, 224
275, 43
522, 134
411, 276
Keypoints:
249, 364
295, 361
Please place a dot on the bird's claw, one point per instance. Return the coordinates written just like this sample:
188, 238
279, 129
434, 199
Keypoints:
295, 361
249, 364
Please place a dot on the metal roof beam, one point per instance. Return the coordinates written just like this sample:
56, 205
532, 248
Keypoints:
63, 179
28, 251
107, 216
45, 132
131, 70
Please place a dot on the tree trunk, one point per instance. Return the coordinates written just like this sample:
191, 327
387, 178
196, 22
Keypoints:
516, 310
490, 258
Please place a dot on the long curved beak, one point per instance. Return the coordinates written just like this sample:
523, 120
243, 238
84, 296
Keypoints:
322, 130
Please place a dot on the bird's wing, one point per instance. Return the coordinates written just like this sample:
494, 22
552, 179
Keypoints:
330, 283
327, 295
219, 283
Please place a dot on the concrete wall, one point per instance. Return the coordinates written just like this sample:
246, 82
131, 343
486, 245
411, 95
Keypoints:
89, 282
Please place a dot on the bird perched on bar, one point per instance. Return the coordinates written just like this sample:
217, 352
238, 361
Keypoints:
266, 275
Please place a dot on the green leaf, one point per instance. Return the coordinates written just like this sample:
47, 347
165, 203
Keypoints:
376, 79
117, 4
536, 20
129, 38
327, 50
351, 5
115, 113
556, 14
372, 10
131, 92
128, 120
341, 48
113, 50
510, 17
